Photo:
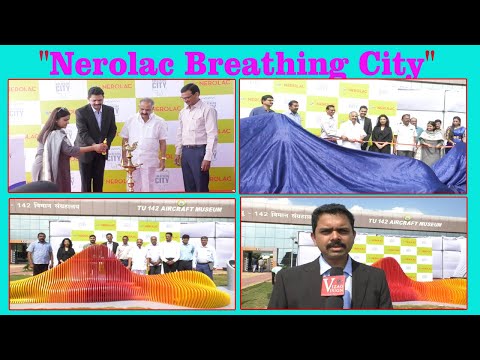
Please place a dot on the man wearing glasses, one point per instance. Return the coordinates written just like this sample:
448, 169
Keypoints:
150, 132
95, 124
196, 142
267, 103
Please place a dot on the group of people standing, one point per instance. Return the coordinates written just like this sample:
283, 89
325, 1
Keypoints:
195, 147
169, 254
407, 140
139, 259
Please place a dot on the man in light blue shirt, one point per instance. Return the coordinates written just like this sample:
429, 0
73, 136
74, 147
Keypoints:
40, 255
186, 254
347, 272
292, 112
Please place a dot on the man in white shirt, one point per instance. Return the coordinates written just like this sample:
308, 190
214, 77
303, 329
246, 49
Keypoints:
169, 253
205, 258
123, 250
197, 138
150, 132
352, 132
329, 125
292, 112
405, 138
153, 257
137, 259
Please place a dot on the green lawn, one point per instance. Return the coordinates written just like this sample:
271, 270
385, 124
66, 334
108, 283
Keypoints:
19, 277
220, 279
256, 296
424, 307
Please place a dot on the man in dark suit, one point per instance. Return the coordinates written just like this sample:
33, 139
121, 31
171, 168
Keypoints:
367, 124
333, 232
112, 245
95, 123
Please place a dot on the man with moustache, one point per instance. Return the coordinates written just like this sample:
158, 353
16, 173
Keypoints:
123, 251
137, 259
334, 234
93, 239
292, 112
95, 123
153, 257
197, 137
351, 132
40, 255
267, 103
186, 254
149, 131
110, 244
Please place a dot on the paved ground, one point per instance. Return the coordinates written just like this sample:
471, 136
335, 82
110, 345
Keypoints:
249, 279
17, 269
117, 305
430, 303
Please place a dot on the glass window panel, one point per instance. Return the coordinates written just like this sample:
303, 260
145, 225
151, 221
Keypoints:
270, 242
250, 233
280, 232
260, 230
259, 243
249, 242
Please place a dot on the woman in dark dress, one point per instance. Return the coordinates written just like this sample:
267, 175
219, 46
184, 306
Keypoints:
65, 251
382, 136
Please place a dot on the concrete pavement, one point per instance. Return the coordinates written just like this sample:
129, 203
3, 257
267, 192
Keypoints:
249, 279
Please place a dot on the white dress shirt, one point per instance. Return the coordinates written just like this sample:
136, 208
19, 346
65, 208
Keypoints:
139, 258
198, 126
329, 126
352, 131
110, 246
169, 249
406, 135
153, 253
123, 251
148, 135
204, 254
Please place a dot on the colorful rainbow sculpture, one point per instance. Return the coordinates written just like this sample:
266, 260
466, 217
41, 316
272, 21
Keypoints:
95, 275
402, 288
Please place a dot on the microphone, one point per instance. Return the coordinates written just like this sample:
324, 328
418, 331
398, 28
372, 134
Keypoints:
333, 288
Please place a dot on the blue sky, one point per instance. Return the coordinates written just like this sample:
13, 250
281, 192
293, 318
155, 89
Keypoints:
441, 206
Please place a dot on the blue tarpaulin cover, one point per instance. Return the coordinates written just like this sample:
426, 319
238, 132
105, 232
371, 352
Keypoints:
452, 168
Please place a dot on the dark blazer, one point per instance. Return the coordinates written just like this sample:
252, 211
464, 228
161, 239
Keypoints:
381, 136
299, 288
115, 246
64, 255
88, 131
367, 127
